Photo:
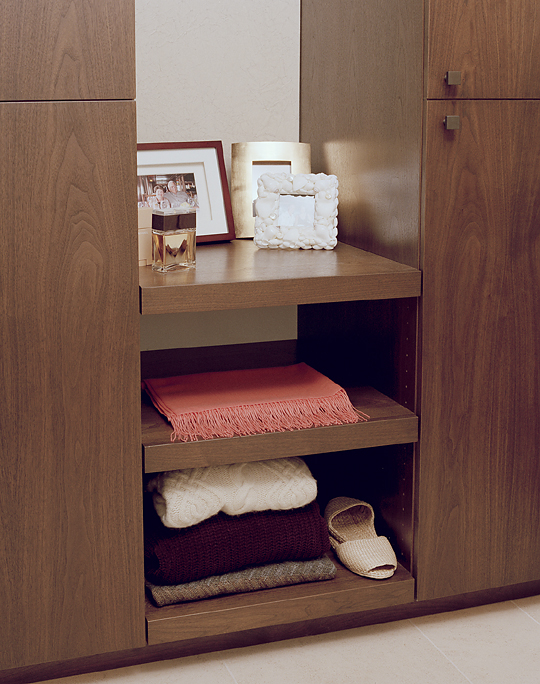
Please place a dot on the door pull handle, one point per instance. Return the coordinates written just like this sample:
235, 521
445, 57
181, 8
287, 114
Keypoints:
453, 78
452, 123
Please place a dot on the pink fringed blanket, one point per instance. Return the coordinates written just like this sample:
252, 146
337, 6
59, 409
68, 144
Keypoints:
249, 402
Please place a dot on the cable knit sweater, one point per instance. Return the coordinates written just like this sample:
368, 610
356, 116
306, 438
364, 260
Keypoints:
186, 497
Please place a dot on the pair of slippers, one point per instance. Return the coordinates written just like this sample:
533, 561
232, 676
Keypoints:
354, 540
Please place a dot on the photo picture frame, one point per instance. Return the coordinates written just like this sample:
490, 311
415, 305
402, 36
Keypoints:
198, 171
296, 211
249, 161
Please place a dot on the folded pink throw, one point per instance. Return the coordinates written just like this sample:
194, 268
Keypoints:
249, 402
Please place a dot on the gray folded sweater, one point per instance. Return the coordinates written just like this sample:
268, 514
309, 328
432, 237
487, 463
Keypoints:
251, 579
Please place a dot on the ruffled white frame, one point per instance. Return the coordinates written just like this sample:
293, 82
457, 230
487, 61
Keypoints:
323, 233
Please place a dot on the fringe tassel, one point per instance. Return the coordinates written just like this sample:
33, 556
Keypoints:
254, 419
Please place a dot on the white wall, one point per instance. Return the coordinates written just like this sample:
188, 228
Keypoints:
218, 70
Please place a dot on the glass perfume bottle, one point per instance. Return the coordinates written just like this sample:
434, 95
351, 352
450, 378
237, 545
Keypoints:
173, 240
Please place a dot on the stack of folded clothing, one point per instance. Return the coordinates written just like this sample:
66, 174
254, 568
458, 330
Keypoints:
233, 528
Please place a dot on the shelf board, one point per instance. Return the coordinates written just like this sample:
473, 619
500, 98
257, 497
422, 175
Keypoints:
345, 594
237, 275
390, 423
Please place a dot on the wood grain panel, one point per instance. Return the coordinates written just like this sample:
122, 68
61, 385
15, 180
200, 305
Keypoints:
71, 538
346, 593
163, 363
479, 471
389, 423
494, 43
360, 108
363, 343
237, 275
67, 49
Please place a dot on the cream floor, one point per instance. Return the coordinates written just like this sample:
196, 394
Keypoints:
495, 644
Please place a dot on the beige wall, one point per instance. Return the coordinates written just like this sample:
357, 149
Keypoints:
218, 70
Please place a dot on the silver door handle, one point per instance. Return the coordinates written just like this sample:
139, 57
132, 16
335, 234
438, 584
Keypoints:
453, 78
452, 123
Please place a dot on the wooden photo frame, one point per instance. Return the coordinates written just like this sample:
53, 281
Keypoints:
198, 171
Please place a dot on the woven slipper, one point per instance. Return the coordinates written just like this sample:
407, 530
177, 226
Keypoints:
354, 540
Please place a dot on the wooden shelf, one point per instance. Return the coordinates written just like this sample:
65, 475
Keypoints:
237, 275
345, 594
390, 423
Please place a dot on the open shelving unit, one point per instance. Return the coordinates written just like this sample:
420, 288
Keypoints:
237, 275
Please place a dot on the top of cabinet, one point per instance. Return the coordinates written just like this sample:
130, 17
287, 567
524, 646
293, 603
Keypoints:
238, 275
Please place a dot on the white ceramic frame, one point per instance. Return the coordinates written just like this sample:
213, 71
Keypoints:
322, 235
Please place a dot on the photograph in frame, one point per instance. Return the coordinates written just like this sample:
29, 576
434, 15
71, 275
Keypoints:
167, 191
188, 175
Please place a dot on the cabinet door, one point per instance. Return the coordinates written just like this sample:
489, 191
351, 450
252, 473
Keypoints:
479, 465
70, 488
67, 49
493, 43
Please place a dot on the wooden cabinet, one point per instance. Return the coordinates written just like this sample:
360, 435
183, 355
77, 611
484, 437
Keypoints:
459, 503
71, 520
465, 205
481, 296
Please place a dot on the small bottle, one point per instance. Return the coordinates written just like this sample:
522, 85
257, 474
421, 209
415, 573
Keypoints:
173, 240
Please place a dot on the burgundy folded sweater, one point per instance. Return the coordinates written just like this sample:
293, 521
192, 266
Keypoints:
225, 543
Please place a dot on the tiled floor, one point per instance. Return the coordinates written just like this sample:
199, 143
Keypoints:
495, 644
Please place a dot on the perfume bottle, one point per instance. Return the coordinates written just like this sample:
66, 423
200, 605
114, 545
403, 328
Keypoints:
173, 239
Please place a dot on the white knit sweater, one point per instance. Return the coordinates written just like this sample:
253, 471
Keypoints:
186, 497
